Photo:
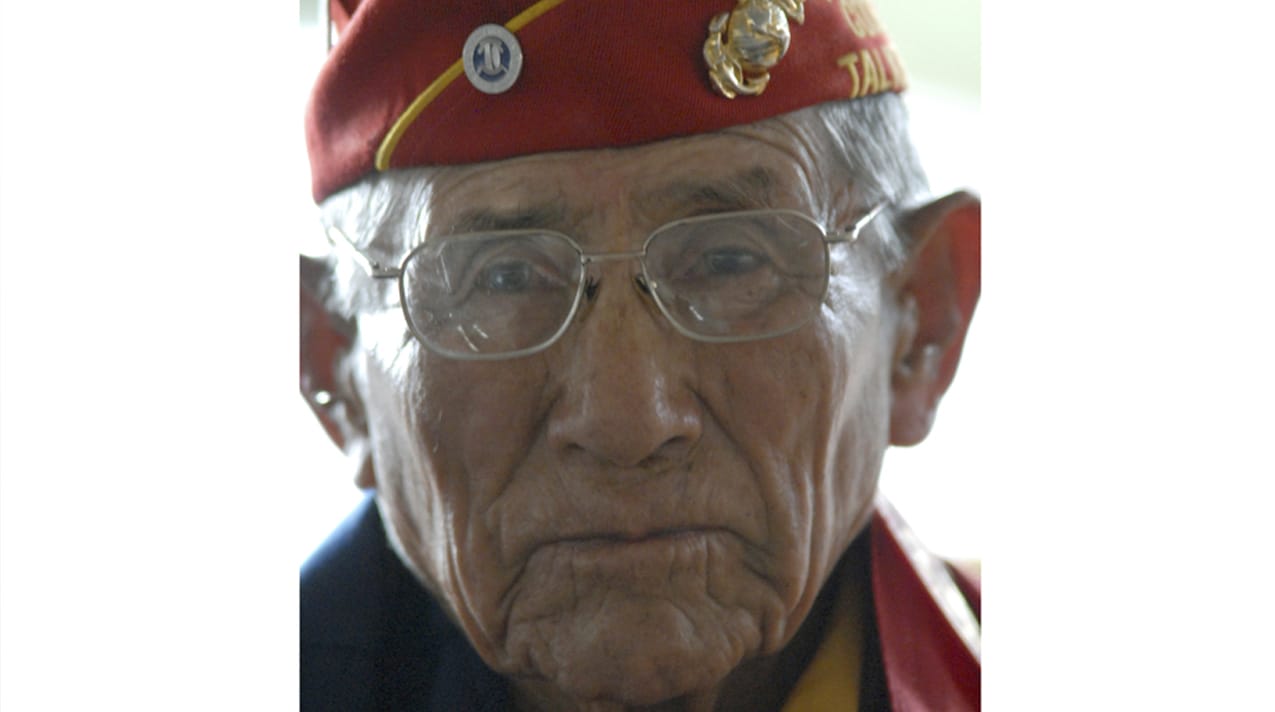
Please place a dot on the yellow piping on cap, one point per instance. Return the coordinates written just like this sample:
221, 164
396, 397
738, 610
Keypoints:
444, 80
525, 17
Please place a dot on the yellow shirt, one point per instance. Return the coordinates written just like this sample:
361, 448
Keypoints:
831, 682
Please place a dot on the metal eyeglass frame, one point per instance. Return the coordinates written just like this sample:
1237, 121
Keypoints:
376, 270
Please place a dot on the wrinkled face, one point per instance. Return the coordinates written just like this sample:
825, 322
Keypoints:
629, 514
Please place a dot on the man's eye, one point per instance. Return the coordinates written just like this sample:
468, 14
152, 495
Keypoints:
506, 276
731, 261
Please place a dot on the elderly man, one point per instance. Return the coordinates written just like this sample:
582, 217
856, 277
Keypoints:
624, 304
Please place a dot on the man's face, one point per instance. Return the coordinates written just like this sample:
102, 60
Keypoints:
630, 513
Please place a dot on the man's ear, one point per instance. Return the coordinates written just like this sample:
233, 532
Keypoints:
326, 340
938, 289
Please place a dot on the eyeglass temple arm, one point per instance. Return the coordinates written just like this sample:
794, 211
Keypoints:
851, 233
374, 269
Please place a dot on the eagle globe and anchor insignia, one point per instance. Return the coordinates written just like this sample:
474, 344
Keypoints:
493, 59
745, 43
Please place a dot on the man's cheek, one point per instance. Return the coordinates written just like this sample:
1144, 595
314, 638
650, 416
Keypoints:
768, 397
477, 431
483, 416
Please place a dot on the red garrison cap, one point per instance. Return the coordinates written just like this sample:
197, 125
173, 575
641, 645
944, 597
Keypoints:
429, 82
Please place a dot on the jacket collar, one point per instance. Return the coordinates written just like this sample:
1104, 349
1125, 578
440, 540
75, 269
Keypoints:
929, 635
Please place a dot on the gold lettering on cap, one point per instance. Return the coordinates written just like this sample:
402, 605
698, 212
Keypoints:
898, 77
850, 62
873, 70
883, 70
871, 82
890, 68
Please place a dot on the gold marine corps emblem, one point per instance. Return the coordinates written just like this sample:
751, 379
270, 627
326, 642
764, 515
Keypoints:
745, 43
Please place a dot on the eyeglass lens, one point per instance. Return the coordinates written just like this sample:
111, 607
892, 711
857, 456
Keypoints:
721, 278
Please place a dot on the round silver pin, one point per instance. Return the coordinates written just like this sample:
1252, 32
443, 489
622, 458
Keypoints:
492, 59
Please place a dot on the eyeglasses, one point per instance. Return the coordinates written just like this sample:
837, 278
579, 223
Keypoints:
728, 277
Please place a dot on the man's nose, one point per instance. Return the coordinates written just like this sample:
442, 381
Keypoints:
627, 398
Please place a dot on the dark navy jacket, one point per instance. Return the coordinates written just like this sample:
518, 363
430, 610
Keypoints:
373, 639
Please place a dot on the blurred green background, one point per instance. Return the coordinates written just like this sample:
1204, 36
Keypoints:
938, 40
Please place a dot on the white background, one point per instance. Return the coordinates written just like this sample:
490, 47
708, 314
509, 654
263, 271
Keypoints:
1119, 400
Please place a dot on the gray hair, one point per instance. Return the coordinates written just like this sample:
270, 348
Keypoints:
869, 137
865, 141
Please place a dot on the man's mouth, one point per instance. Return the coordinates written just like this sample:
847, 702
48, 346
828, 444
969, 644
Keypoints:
620, 538
628, 553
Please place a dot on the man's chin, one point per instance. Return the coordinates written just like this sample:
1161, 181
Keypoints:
635, 651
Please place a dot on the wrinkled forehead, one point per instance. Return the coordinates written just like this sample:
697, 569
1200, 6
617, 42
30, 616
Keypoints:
792, 161
773, 164
663, 181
